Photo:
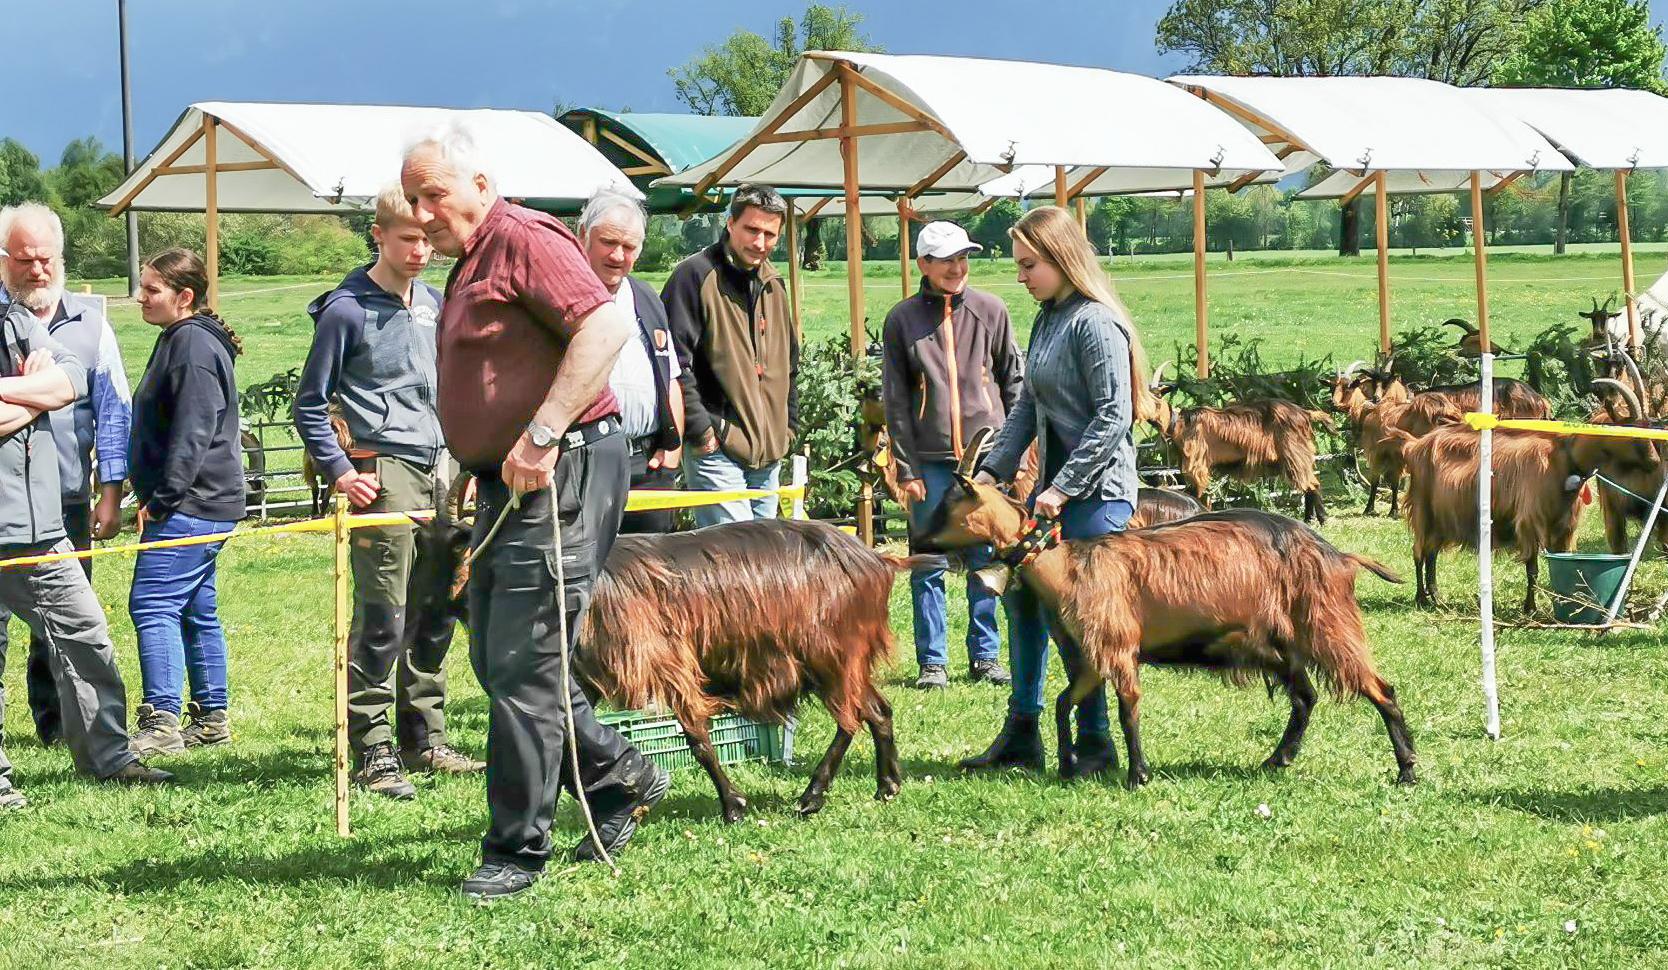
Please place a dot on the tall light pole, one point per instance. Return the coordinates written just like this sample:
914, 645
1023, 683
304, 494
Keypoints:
127, 154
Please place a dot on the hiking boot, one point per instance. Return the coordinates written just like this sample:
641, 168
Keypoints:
442, 759
206, 728
989, 671
496, 880
1017, 745
932, 677
617, 827
11, 798
379, 773
159, 733
139, 773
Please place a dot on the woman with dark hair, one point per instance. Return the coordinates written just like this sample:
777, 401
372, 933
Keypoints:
186, 466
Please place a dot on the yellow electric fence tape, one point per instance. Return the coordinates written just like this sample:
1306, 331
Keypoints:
1489, 422
638, 501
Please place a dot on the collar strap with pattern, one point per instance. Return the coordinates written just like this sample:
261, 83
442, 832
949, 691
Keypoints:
1039, 537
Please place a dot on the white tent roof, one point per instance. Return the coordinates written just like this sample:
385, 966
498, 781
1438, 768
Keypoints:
1420, 133
1601, 129
322, 157
1001, 114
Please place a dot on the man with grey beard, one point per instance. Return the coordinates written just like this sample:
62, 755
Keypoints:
98, 419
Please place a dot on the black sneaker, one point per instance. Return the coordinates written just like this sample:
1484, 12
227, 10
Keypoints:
989, 671
932, 677
379, 772
617, 827
496, 880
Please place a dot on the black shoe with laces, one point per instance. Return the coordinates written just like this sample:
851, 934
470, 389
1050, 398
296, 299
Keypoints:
989, 671
496, 880
618, 826
379, 772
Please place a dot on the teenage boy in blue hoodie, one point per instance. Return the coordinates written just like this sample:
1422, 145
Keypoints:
373, 357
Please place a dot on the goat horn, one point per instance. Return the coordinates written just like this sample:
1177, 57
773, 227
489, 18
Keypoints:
1638, 380
1352, 368
1158, 373
1627, 395
1462, 324
1595, 306
452, 508
974, 450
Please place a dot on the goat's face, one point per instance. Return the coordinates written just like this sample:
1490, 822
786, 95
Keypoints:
971, 515
1390, 388
1163, 411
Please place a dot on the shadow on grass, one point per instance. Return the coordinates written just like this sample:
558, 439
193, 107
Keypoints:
1587, 805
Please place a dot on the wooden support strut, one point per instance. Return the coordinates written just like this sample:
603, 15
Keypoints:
853, 131
1635, 337
1201, 310
903, 243
1481, 259
1061, 192
741, 151
211, 209
854, 261
793, 266
1381, 227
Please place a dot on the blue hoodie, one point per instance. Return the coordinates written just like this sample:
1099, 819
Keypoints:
374, 357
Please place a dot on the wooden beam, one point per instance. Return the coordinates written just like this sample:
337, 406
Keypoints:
639, 170
937, 173
211, 209
903, 243
854, 216
590, 128
633, 150
746, 147
255, 147
811, 213
173, 156
1481, 259
260, 166
793, 268
881, 94
979, 209
1273, 139
1246, 114
1086, 181
1201, 310
1060, 190
1505, 182
1351, 195
858, 131
1381, 208
1635, 337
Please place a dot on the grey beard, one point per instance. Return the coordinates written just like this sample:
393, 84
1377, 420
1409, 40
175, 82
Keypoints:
41, 298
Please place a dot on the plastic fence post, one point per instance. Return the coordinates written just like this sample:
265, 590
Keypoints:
1485, 548
340, 652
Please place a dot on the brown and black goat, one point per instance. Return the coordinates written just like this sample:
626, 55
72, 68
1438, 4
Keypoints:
1471, 340
310, 472
1247, 441
1534, 499
1638, 470
1239, 592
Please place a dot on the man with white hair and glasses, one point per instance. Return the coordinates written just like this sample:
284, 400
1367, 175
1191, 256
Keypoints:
98, 420
645, 377
527, 339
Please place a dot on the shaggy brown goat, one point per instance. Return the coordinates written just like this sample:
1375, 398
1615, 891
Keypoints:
1247, 441
1534, 499
1239, 592
1512, 399
748, 616
310, 472
1156, 506
1637, 469
1471, 341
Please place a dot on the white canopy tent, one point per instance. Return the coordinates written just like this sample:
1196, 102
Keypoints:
263, 157
1384, 135
1606, 130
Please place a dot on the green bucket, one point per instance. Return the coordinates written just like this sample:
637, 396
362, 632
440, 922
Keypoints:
1581, 579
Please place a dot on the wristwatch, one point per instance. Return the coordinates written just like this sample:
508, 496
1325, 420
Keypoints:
542, 436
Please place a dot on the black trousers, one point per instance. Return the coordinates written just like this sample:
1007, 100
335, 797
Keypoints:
41, 688
514, 647
654, 479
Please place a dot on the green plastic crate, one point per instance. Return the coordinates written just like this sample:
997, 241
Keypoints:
735, 738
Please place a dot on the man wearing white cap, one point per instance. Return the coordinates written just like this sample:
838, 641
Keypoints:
951, 367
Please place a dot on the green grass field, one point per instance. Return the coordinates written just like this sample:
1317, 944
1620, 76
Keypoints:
1542, 849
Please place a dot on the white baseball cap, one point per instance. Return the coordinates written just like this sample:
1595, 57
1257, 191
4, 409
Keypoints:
944, 240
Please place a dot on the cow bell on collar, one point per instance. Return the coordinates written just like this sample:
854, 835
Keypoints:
995, 577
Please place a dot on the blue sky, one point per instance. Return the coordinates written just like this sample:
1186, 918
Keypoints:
473, 53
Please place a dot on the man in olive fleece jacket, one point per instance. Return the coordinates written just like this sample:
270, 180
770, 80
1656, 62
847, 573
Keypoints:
739, 352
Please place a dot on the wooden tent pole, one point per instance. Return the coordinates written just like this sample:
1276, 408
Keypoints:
1381, 208
1201, 311
854, 267
1635, 339
903, 243
211, 210
793, 264
1481, 258
1060, 189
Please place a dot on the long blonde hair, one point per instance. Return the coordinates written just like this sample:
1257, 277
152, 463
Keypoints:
1055, 237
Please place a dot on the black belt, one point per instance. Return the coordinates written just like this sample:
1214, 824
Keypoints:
642, 446
585, 435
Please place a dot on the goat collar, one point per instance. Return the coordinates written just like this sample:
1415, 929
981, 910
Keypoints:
1040, 536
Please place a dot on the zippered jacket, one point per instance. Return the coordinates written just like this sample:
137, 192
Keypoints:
31, 505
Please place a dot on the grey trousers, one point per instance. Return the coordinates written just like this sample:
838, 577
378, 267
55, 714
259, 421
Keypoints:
56, 601
513, 644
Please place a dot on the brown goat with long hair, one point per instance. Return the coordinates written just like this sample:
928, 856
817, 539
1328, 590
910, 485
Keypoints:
1240, 592
310, 473
1638, 469
748, 616
1248, 440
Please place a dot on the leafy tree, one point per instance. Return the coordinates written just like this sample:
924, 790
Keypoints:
991, 231
20, 174
1586, 43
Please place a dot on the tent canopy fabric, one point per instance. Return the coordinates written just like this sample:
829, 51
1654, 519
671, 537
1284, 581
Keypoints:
675, 141
1001, 114
1600, 129
327, 157
1419, 132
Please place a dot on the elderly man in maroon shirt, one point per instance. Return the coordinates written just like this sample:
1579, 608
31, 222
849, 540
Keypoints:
527, 338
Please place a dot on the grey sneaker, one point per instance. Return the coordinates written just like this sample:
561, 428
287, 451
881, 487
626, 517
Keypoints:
617, 827
159, 733
11, 798
205, 728
442, 759
989, 671
139, 773
932, 677
379, 773
496, 880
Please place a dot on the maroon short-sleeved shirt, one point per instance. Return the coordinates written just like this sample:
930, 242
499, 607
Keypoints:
513, 301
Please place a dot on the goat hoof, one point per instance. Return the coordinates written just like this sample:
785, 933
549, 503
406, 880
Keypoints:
1275, 762
1405, 777
887, 791
811, 805
735, 813
1137, 779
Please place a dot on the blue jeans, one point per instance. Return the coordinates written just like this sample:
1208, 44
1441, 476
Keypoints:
1028, 628
719, 472
175, 615
926, 586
